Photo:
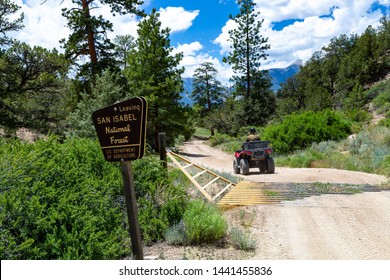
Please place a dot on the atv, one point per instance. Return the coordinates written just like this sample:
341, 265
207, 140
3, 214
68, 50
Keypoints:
254, 154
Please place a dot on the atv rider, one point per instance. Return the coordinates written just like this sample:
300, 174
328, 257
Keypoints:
252, 135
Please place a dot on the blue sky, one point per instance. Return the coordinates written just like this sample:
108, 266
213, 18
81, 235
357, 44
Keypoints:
212, 15
199, 28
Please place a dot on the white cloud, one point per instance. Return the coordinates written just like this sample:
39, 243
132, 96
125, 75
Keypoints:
301, 39
189, 49
193, 58
223, 39
278, 10
45, 25
40, 29
176, 18
122, 25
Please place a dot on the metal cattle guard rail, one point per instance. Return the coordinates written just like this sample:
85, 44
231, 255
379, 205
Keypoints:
202, 170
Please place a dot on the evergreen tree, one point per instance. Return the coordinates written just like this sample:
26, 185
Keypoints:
154, 72
261, 104
249, 48
315, 83
384, 40
334, 54
123, 45
291, 96
8, 8
361, 65
89, 33
207, 90
105, 91
31, 83
337, 76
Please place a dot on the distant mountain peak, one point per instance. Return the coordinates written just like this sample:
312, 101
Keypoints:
298, 62
280, 75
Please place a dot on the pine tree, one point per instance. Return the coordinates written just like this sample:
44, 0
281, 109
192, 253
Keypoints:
105, 91
31, 83
154, 72
123, 45
291, 96
89, 33
207, 90
249, 47
8, 8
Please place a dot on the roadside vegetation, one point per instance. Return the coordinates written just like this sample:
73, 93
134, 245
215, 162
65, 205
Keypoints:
321, 139
64, 201
59, 199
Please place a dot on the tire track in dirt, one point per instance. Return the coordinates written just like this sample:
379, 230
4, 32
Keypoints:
331, 226
337, 227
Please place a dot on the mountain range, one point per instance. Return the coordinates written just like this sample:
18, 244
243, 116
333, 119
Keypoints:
278, 76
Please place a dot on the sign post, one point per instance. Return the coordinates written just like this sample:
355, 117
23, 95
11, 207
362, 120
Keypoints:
132, 210
121, 129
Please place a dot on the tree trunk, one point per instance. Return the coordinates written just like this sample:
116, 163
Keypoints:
248, 66
208, 93
91, 39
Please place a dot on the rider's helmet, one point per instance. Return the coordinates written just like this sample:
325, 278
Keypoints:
252, 130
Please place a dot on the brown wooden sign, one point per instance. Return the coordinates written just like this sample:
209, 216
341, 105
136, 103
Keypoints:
121, 129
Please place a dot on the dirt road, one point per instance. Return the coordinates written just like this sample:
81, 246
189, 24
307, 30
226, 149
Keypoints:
206, 156
331, 226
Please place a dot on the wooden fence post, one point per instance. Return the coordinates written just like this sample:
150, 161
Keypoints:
162, 143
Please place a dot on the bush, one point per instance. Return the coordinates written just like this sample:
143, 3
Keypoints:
64, 201
357, 115
242, 240
59, 201
378, 89
203, 223
299, 131
176, 235
385, 122
368, 152
218, 139
370, 149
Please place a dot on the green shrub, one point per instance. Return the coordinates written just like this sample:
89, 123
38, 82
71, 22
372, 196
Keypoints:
385, 122
59, 201
176, 235
303, 158
357, 115
219, 139
203, 223
64, 201
242, 240
378, 89
382, 97
368, 151
299, 131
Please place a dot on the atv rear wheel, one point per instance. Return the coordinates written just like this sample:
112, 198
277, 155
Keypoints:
270, 165
236, 167
244, 166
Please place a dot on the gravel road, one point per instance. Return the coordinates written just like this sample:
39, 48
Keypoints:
325, 227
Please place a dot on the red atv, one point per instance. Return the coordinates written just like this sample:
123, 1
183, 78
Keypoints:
254, 154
